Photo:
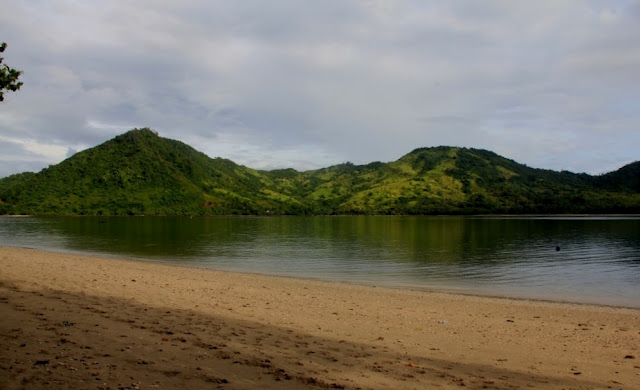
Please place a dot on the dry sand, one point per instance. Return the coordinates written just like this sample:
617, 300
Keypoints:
80, 322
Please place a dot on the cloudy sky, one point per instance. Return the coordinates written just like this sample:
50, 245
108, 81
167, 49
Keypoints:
308, 84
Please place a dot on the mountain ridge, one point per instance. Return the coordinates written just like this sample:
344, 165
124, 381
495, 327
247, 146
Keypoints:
141, 173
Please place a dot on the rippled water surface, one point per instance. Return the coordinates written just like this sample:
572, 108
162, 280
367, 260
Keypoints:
598, 260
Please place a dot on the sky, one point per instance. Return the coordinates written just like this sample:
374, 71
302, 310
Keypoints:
308, 84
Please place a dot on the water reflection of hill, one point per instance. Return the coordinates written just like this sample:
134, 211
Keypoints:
598, 255
401, 239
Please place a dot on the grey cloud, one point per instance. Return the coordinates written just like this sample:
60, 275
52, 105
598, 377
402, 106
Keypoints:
14, 158
71, 152
11, 167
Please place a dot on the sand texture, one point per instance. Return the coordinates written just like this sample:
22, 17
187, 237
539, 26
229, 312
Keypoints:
81, 322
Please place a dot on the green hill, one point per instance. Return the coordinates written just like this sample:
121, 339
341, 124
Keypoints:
141, 173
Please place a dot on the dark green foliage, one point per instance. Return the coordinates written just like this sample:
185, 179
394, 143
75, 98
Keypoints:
141, 173
625, 179
427, 159
8, 76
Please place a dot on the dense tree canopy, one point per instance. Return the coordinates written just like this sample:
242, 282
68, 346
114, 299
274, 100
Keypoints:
8, 76
141, 173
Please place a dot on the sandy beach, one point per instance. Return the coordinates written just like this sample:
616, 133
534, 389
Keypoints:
82, 322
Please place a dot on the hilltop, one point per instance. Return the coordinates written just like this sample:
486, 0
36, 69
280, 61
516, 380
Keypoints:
141, 173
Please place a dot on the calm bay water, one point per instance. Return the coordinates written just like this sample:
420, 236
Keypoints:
598, 261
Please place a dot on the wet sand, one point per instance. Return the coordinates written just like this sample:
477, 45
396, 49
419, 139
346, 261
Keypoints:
70, 321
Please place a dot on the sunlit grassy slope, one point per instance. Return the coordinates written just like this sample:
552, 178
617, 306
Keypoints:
141, 173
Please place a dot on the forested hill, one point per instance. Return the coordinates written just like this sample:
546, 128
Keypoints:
141, 173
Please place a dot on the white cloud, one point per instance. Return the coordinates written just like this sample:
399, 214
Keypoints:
42, 151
